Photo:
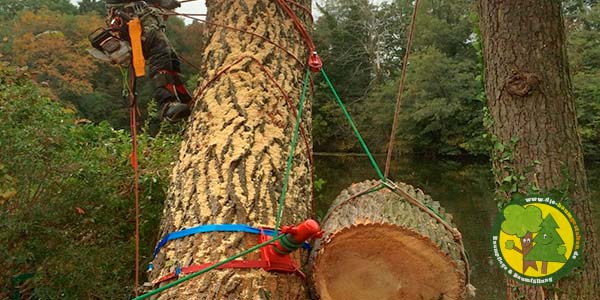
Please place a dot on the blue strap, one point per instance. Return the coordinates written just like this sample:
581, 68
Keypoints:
212, 228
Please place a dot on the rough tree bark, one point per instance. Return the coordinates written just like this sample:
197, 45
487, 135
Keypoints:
530, 99
233, 158
379, 246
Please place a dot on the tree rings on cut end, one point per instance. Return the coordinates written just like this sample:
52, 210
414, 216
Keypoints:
384, 262
377, 245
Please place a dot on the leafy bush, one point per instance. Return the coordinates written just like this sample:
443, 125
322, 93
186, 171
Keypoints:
67, 214
584, 56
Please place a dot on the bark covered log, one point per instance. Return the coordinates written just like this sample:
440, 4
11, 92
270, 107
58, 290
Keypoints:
379, 246
232, 161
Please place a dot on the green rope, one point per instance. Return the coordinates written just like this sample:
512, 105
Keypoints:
360, 139
290, 162
212, 267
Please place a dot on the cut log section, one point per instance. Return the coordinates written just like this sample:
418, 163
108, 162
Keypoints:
379, 246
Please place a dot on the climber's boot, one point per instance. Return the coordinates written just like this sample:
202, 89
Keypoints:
172, 95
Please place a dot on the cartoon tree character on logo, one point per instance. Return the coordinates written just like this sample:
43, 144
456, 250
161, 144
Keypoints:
549, 246
522, 222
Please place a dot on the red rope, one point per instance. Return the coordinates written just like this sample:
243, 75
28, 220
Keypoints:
247, 32
305, 8
310, 44
272, 79
298, 24
135, 166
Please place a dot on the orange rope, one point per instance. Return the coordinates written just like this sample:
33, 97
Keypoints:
413, 23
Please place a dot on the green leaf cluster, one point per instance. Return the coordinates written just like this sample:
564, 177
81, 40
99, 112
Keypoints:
70, 216
10, 8
442, 113
584, 56
519, 220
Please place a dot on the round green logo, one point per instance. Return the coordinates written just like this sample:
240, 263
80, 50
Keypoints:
536, 240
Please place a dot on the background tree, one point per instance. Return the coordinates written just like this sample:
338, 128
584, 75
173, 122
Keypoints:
52, 44
532, 109
441, 113
92, 6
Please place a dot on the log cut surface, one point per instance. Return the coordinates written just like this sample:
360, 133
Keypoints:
378, 246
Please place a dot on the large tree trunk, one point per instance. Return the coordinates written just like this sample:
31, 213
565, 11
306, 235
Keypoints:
530, 99
232, 162
378, 246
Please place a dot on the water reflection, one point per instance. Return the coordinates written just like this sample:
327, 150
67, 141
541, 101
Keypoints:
465, 190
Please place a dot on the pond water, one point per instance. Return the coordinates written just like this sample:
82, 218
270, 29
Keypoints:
466, 190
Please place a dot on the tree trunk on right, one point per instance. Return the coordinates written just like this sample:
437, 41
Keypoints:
533, 113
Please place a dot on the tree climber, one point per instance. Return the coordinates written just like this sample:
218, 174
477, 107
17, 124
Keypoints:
163, 63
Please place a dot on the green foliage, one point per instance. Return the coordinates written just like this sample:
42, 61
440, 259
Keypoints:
10, 8
344, 35
364, 45
519, 220
7, 185
584, 55
92, 6
70, 220
573, 9
510, 244
441, 113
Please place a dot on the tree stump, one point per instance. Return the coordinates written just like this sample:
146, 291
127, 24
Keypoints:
379, 246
